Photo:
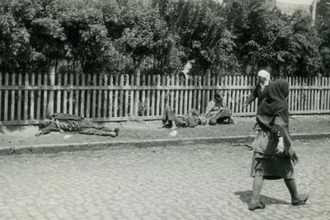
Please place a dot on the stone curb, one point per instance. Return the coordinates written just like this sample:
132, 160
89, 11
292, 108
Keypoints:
55, 148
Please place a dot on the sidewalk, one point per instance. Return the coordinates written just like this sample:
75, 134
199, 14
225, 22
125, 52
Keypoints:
17, 140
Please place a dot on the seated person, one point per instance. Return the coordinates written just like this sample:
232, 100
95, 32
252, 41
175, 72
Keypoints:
173, 121
71, 123
216, 111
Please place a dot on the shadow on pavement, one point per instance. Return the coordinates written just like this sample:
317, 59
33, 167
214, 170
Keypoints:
245, 197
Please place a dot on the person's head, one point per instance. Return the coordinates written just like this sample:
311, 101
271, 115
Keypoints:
44, 123
263, 77
278, 90
218, 96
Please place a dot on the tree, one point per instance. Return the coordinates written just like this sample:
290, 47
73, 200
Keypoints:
202, 35
142, 33
269, 39
87, 35
323, 27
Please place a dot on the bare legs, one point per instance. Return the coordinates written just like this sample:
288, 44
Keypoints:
292, 187
256, 189
296, 199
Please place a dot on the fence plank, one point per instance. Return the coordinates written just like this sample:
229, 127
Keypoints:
148, 96
132, 80
65, 94
127, 105
164, 94
122, 100
116, 108
77, 95
105, 98
142, 100
45, 97
71, 92
171, 82
32, 100
88, 97
194, 83
137, 94
82, 97
153, 96
6, 116
38, 96
1, 97
19, 98
59, 94
93, 96
111, 111
12, 105
190, 94
26, 97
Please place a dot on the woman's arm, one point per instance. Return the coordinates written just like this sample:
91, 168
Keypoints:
209, 107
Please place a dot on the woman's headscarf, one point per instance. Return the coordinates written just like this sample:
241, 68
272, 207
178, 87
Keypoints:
275, 103
264, 74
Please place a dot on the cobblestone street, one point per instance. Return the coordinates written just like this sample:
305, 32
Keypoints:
177, 182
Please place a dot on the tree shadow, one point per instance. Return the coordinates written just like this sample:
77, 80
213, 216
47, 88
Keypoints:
245, 197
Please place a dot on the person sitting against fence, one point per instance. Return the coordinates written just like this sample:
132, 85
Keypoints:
216, 111
70, 123
260, 91
173, 121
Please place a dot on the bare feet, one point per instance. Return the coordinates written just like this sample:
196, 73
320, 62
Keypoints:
258, 205
301, 201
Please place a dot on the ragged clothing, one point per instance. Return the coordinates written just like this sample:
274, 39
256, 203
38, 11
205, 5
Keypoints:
273, 119
70, 123
216, 112
191, 120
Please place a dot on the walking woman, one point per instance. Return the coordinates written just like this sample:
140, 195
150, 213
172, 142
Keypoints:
274, 156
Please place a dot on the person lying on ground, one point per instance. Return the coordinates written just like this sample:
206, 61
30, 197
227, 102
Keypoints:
216, 111
70, 123
173, 121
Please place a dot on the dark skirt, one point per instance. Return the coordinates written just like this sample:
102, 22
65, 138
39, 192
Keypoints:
269, 166
272, 167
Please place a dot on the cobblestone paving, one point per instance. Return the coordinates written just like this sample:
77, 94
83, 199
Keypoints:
190, 182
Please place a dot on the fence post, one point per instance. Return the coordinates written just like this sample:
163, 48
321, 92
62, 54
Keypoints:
318, 80
137, 93
50, 105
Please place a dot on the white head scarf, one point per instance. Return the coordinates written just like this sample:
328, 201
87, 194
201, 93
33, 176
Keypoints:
264, 73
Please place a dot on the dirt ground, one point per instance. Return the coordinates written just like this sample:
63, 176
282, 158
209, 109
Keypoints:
12, 136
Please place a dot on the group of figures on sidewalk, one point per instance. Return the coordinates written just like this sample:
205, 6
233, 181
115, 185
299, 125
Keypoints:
273, 154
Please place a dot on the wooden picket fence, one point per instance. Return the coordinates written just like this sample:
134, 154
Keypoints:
28, 98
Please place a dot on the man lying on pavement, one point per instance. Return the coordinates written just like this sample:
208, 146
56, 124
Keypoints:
70, 123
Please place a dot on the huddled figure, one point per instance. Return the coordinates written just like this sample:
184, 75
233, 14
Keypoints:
216, 111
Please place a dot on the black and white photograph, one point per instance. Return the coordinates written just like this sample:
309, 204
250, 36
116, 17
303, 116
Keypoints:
164, 109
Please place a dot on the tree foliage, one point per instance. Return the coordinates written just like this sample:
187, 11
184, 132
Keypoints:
98, 36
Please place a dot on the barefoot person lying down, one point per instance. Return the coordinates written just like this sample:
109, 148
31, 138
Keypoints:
70, 123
